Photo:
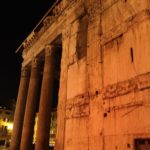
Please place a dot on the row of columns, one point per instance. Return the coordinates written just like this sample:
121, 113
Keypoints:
24, 119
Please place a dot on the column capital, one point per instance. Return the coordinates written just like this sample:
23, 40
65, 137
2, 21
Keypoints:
36, 62
25, 71
49, 49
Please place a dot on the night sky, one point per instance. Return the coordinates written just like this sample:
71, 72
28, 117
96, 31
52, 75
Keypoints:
17, 20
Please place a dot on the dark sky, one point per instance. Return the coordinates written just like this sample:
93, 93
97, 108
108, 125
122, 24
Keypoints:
17, 19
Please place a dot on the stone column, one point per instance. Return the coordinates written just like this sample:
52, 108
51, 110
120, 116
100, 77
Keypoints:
29, 119
43, 128
20, 109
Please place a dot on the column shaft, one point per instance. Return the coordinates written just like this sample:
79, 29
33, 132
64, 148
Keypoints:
20, 109
43, 128
29, 119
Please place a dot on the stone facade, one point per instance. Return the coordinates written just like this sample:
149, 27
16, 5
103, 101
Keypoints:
104, 76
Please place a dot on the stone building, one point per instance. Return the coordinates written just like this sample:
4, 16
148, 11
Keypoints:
6, 125
91, 57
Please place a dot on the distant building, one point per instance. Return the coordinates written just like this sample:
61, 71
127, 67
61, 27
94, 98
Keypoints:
6, 125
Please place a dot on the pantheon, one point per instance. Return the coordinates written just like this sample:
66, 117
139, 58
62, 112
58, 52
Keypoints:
89, 60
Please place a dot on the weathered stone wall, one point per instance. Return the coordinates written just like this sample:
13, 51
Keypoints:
77, 105
125, 28
105, 73
107, 91
83, 122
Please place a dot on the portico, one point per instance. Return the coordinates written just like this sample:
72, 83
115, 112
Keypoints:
30, 87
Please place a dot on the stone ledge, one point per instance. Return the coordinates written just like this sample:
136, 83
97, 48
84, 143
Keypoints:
138, 83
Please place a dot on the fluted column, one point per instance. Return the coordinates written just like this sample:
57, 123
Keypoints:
20, 109
29, 119
43, 128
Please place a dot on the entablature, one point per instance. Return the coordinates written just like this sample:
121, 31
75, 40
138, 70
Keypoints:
54, 25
